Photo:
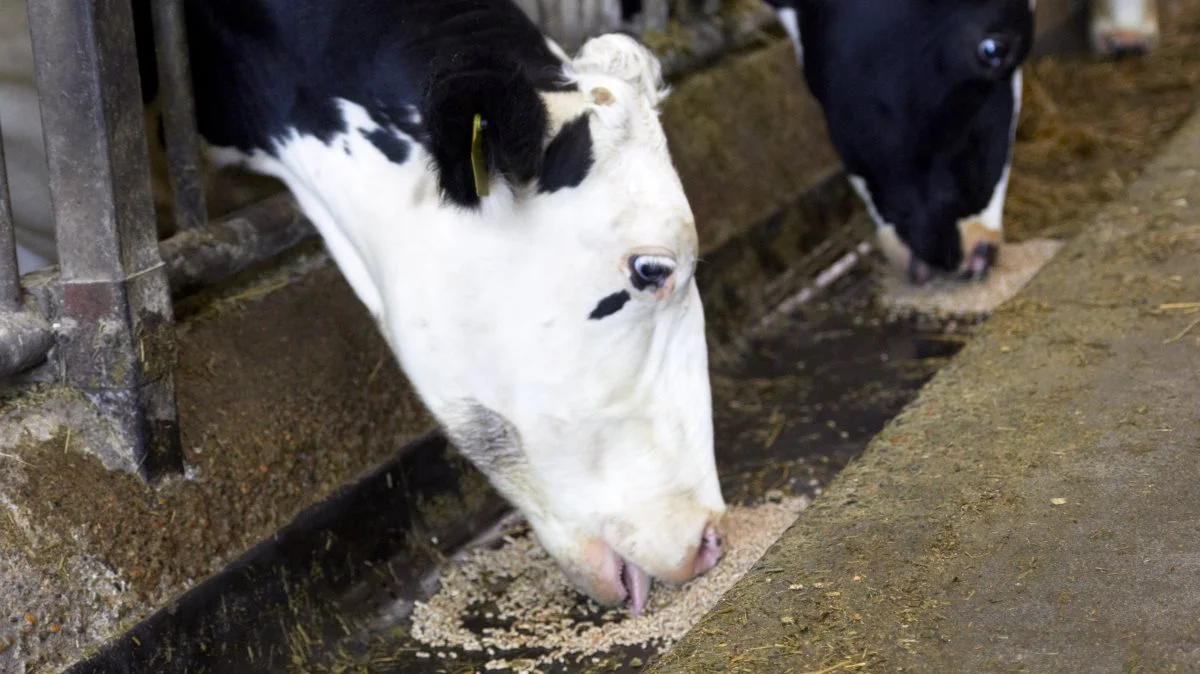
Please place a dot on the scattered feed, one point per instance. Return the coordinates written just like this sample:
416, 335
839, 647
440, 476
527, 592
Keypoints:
950, 298
526, 606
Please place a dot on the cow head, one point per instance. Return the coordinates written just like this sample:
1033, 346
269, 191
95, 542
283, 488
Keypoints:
557, 331
921, 99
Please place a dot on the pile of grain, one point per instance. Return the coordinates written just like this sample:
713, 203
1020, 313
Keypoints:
518, 589
951, 298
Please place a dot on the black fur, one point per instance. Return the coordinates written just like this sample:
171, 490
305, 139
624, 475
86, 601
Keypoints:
912, 109
467, 83
393, 147
263, 69
609, 305
568, 157
489, 440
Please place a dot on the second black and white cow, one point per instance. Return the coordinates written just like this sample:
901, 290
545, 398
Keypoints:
512, 219
921, 98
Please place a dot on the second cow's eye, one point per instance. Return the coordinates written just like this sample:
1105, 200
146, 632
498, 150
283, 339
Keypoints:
994, 51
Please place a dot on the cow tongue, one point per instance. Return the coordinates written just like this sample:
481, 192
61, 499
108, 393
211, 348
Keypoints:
637, 583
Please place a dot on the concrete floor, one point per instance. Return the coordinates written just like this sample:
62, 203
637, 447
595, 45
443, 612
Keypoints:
1037, 508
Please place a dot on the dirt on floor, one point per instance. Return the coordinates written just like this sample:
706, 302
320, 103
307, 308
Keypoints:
281, 402
1035, 509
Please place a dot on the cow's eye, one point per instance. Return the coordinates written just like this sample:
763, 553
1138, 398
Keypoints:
650, 271
994, 51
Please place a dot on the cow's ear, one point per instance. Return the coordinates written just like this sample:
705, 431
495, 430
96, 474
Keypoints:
482, 104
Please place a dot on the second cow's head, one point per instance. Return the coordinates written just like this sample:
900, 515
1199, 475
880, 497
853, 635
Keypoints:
921, 98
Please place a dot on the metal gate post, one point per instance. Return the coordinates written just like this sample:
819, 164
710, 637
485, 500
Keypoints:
24, 336
116, 322
179, 114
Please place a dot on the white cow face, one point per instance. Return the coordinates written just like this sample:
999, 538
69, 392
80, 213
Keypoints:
554, 325
550, 321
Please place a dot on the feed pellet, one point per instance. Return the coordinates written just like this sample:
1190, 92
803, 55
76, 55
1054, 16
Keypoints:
526, 603
949, 298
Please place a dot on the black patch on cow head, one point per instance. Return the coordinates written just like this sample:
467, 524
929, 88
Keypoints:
568, 157
264, 70
397, 117
550, 78
395, 148
917, 95
490, 84
609, 305
485, 437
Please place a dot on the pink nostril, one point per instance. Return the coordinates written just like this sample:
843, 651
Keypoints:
710, 550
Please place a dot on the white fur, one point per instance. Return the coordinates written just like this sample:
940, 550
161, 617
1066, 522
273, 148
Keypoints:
890, 243
992, 216
491, 308
1135, 21
791, 23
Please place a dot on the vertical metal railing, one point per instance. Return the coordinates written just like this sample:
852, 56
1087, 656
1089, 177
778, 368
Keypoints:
655, 15
116, 340
25, 337
571, 22
692, 10
179, 114
10, 279
110, 300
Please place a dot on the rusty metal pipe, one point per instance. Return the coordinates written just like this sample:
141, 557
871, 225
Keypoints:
201, 257
25, 339
178, 114
10, 275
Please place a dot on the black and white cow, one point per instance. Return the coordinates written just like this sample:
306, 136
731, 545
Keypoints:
921, 98
512, 219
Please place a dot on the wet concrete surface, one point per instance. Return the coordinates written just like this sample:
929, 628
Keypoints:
1036, 508
330, 593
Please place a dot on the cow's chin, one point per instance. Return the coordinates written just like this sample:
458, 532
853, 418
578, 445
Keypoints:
610, 578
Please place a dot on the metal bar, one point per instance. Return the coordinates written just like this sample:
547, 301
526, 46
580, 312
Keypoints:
656, 15
25, 339
117, 337
10, 275
202, 257
178, 113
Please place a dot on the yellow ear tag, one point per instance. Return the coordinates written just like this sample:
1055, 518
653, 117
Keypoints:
477, 163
